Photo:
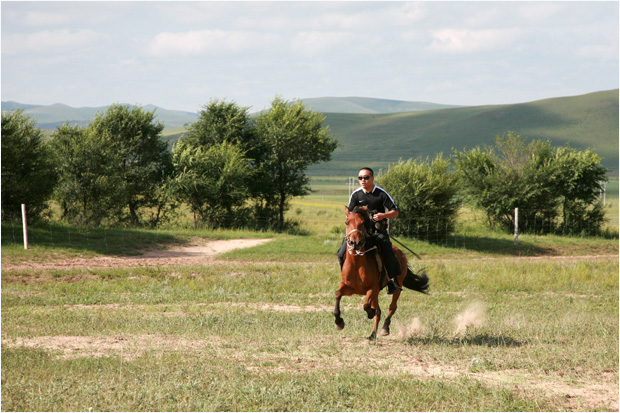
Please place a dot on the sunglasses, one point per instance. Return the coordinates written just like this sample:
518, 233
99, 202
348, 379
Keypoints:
366, 177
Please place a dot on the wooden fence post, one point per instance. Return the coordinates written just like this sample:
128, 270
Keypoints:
516, 226
25, 225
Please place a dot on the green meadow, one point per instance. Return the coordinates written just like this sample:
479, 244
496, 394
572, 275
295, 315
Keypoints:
88, 326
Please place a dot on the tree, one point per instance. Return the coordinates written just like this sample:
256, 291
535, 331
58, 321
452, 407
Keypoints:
290, 138
212, 180
136, 157
426, 195
27, 172
220, 121
83, 178
117, 164
536, 178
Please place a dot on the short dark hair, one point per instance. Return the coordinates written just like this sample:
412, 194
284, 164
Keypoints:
372, 173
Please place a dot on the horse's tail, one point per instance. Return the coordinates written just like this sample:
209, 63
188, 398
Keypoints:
417, 282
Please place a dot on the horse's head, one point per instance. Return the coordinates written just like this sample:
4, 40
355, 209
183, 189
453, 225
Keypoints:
357, 227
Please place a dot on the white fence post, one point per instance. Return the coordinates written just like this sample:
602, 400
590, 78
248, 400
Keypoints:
516, 226
25, 224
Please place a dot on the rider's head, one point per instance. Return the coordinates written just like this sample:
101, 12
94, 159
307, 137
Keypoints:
366, 176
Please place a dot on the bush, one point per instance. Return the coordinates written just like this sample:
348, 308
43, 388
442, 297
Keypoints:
545, 183
28, 175
426, 195
579, 187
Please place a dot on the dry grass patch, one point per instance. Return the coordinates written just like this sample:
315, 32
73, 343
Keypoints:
126, 346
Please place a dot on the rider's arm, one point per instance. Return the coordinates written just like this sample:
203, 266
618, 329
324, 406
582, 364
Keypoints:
353, 201
383, 215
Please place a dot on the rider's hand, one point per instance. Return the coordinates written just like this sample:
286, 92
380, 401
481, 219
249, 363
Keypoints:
378, 216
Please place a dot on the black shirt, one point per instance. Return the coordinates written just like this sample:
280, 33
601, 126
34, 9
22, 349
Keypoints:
378, 200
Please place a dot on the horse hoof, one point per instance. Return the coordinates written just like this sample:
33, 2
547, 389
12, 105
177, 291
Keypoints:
373, 337
340, 325
385, 331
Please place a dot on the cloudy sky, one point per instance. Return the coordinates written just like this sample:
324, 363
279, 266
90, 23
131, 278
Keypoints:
179, 55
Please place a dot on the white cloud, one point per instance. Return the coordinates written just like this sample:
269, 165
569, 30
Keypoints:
472, 41
408, 14
194, 43
37, 18
387, 15
316, 43
251, 50
602, 52
48, 41
537, 12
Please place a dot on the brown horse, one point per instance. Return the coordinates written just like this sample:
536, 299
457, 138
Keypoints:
361, 274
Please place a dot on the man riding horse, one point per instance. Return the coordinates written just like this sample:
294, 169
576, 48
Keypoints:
376, 199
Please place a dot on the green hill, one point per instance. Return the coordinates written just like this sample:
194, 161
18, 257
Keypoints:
368, 105
376, 140
172, 135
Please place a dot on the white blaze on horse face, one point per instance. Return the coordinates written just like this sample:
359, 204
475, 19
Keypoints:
355, 231
355, 237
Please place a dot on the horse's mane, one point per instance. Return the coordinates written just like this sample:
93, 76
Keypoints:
364, 213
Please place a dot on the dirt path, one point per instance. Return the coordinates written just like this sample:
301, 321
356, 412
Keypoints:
207, 253
186, 255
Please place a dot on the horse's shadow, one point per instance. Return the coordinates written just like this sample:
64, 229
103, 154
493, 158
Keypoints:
482, 340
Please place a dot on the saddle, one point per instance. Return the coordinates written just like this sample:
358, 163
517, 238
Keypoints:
377, 253
373, 229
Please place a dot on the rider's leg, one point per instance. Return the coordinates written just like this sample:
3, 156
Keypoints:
390, 261
341, 251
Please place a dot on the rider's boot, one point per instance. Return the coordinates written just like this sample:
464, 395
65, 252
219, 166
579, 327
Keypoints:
393, 286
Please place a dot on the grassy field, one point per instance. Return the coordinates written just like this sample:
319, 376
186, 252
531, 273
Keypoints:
527, 327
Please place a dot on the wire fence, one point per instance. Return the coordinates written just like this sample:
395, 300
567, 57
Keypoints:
440, 229
468, 229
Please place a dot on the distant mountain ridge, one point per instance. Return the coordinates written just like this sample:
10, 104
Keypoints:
369, 105
387, 134
52, 116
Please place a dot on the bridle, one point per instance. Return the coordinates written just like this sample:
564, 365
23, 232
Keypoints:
352, 249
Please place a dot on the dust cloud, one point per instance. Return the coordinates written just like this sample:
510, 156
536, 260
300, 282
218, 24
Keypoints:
414, 328
473, 316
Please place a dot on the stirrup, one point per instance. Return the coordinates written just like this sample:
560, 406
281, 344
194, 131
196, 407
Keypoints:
393, 286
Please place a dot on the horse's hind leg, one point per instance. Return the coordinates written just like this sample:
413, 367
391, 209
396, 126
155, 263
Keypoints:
402, 260
385, 330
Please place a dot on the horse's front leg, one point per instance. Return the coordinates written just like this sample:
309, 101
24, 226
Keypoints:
385, 330
342, 290
374, 301
368, 307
